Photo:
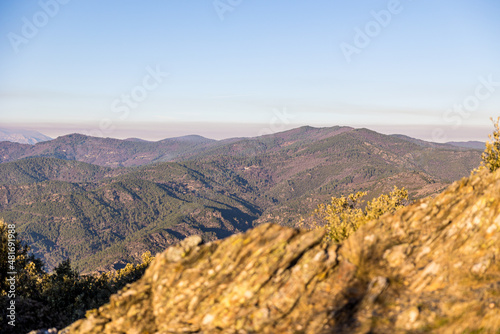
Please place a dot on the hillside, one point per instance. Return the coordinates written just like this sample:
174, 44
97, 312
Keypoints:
103, 217
431, 267
114, 220
33, 170
109, 152
106, 152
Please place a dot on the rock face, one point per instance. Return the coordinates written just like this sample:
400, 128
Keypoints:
433, 266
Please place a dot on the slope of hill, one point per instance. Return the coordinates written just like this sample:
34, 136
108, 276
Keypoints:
34, 170
22, 136
298, 172
114, 220
430, 267
102, 217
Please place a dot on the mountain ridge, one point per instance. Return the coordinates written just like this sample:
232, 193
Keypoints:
112, 152
101, 216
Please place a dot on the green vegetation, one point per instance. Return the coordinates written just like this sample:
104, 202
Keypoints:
46, 300
33, 170
491, 155
117, 219
344, 215
103, 217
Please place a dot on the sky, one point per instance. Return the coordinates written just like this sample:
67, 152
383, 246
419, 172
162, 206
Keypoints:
229, 68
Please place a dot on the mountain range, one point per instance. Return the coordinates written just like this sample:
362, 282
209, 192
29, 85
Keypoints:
22, 136
102, 202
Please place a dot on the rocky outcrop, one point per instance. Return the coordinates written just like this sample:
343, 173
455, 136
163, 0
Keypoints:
433, 266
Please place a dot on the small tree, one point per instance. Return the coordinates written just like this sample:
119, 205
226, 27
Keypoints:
131, 272
391, 202
491, 155
344, 215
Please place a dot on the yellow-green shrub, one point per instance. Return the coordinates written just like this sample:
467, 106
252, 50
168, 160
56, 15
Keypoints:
491, 155
344, 215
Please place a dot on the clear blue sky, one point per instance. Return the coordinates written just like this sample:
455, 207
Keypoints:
241, 68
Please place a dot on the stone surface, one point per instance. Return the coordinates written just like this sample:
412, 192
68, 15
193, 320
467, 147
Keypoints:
431, 267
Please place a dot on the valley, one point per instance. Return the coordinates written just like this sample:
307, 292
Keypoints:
102, 202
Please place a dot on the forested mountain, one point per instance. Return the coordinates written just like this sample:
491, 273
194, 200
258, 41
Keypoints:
107, 151
103, 217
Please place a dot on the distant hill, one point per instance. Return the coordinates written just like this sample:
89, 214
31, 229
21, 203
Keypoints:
22, 136
476, 145
468, 144
107, 152
102, 217
136, 140
192, 139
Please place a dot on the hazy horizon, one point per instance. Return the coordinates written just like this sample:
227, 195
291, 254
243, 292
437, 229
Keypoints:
246, 131
229, 69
